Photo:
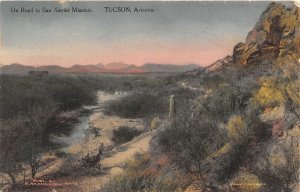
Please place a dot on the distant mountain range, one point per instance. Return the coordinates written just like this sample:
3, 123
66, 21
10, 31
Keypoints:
115, 67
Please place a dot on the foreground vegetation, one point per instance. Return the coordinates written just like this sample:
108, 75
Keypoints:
240, 131
29, 106
214, 135
124, 134
218, 136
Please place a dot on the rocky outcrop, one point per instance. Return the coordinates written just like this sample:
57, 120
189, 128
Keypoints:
220, 64
276, 34
242, 53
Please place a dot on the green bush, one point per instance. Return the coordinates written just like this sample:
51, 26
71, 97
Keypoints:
190, 139
137, 106
60, 153
71, 92
20, 94
140, 175
229, 163
124, 134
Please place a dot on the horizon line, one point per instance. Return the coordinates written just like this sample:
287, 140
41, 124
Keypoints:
154, 63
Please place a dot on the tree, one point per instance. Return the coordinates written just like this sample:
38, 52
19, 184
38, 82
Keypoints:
38, 118
21, 141
13, 150
190, 139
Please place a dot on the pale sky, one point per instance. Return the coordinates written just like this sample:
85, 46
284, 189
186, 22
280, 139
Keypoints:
176, 33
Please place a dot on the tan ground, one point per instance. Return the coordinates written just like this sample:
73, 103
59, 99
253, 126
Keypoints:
69, 167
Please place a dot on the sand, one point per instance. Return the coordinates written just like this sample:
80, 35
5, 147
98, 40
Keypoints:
69, 167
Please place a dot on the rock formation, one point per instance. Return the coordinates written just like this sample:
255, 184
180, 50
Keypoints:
276, 34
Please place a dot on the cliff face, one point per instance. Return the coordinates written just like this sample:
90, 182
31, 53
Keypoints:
276, 34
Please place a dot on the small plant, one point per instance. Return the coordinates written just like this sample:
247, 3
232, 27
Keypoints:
124, 134
60, 153
140, 175
237, 129
93, 131
136, 106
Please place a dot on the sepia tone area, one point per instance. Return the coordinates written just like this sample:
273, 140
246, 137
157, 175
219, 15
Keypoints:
231, 126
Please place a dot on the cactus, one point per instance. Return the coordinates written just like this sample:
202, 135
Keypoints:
172, 110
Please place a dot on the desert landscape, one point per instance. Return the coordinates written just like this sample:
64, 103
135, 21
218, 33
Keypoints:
230, 126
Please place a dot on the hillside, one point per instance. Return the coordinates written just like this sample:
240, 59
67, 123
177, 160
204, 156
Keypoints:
241, 131
115, 67
272, 46
15, 68
263, 73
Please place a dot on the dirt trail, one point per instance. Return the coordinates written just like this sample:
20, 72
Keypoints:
70, 165
139, 145
114, 163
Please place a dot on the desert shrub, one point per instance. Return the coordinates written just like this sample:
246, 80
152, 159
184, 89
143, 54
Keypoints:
70, 92
226, 99
124, 134
137, 106
237, 130
289, 64
93, 131
28, 106
229, 162
190, 139
21, 142
139, 175
20, 94
283, 176
112, 83
241, 130
280, 91
269, 93
292, 88
222, 102
198, 133
60, 153
212, 80
13, 150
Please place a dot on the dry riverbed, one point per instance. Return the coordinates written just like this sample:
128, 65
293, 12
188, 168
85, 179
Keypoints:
67, 170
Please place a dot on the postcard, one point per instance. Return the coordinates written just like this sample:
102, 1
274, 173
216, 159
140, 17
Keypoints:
144, 96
